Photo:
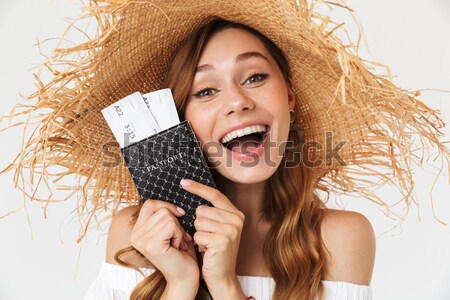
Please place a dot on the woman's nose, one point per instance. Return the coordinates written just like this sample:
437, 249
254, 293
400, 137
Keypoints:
237, 100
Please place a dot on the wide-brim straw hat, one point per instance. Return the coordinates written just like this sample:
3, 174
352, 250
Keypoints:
336, 91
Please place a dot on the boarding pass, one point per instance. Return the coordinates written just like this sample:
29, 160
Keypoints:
137, 116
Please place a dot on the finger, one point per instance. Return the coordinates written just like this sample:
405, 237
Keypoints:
169, 221
154, 221
207, 240
172, 232
187, 237
209, 225
184, 246
203, 239
190, 249
225, 217
155, 227
151, 206
208, 193
179, 242
218, 215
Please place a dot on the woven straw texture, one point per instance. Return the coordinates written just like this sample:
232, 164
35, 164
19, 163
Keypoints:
335, 89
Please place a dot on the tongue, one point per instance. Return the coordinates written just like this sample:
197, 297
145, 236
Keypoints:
245, 144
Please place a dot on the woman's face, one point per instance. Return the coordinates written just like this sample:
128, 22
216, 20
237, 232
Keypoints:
238, 84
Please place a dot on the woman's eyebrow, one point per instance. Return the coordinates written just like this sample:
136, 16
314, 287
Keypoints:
240, 58
247, 55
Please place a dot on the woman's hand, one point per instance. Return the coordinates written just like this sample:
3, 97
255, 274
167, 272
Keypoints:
218, 234
159, 236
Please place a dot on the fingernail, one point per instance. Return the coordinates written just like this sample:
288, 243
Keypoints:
180, 210
188, 236
185, 182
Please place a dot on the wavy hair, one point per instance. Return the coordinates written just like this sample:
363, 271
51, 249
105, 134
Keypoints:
293, 249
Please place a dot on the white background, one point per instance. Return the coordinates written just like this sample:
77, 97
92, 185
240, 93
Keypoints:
41, 261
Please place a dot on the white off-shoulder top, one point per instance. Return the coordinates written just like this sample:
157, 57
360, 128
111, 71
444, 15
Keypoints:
115, 282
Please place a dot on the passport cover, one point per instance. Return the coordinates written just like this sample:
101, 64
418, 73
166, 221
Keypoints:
159, 162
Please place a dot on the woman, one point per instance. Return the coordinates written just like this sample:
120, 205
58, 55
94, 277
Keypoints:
268, 234
239, 235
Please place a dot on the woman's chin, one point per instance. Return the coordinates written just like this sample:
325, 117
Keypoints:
246, 174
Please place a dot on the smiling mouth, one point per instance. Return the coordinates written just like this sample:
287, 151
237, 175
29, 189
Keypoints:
247, 143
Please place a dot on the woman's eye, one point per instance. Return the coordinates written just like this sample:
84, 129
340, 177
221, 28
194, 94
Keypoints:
257, 77
203, 93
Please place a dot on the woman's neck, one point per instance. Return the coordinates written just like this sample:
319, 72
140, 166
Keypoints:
248, 198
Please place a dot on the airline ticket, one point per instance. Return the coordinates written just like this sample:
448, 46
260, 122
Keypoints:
137, 116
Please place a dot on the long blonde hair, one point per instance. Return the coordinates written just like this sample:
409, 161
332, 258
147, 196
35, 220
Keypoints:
293, 249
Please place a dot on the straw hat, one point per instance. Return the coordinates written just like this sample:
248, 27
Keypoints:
335, 90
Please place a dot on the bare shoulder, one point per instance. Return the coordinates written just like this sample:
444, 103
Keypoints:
350, 246
119, 236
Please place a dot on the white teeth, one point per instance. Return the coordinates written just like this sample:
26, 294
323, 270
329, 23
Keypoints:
243, 131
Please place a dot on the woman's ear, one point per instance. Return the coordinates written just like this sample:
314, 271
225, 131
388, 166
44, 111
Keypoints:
291, 97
